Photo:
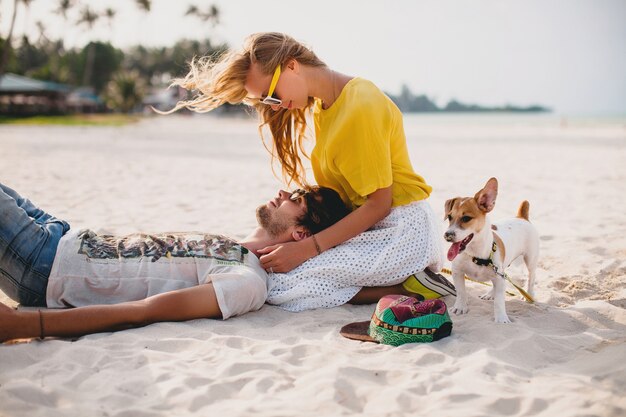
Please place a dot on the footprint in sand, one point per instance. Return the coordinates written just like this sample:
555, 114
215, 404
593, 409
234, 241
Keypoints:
598, 250
505, 406
560, 283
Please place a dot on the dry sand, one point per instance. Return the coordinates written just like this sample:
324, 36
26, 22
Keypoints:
563, 356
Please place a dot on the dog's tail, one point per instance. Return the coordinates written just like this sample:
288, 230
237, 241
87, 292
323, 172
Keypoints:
523, 210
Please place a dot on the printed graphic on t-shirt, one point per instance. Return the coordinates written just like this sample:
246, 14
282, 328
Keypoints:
141, 245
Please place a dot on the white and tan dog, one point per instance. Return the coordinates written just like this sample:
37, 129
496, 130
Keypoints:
486, 250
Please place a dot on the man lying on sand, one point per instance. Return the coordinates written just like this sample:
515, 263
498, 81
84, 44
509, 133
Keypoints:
131, 281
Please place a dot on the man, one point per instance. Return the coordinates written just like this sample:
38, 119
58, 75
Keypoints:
124, 282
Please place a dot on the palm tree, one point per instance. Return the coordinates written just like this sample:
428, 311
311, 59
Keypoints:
211, 15
61, 72
144, 5
42, 31
7, 43
110, 15
88, 18
64, 7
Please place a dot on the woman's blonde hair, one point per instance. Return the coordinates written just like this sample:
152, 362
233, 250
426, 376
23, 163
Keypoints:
221, 79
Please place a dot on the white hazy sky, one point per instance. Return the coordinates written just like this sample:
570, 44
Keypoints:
566, 54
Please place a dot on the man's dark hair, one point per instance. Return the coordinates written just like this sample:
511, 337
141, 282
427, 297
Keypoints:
324, 207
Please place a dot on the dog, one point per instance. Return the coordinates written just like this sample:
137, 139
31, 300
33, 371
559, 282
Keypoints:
483, 251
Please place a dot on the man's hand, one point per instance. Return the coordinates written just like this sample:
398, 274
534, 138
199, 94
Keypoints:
8, 319
286, 256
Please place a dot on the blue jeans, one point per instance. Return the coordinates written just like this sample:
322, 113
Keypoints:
28, 243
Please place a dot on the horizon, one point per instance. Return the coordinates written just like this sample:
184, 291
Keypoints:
566, 56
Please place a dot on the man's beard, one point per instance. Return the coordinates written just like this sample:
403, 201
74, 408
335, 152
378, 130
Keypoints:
274, 227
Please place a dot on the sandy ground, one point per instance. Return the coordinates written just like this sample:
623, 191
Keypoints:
563, 356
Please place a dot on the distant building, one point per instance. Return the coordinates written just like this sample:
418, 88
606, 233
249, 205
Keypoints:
162, 98
21, 95
85, 100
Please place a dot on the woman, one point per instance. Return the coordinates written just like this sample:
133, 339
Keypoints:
360, 152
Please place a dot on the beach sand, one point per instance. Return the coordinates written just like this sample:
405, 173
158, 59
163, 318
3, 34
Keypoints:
563, 356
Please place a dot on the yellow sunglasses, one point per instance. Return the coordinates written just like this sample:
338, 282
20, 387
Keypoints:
268, 99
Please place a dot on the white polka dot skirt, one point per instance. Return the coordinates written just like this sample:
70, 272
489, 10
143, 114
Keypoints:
403, 243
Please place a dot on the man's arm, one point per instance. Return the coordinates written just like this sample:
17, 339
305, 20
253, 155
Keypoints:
186, 304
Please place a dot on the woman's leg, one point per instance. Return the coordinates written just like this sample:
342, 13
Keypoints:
371, 295
422, 285
28, 241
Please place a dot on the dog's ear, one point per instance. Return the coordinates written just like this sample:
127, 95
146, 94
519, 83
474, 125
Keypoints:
448, 207
486, 198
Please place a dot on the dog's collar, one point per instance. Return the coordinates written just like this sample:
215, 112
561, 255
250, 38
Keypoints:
489, 261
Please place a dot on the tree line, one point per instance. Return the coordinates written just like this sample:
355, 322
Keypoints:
122, 77
411, 103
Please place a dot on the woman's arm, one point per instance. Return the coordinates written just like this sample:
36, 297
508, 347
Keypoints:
285, 257
180, 305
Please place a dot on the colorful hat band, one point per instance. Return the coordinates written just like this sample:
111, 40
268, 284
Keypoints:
401, 329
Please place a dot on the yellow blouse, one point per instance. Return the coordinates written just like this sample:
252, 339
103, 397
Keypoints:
360, 147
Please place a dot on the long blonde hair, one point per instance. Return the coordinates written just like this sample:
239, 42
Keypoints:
220, 79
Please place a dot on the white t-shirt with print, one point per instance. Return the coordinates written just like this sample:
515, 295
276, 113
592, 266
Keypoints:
93, 269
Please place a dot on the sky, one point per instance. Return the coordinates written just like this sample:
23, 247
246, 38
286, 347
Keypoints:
569, 55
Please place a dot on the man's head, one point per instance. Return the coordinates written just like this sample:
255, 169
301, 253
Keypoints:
299, 214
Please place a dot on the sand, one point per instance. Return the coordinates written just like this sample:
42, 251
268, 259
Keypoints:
563, 356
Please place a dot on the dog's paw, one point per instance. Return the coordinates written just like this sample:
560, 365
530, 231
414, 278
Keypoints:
487, 296
459, 309
502, 319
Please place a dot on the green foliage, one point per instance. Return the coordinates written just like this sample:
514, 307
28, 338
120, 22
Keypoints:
125, 91
106, 61
29, 56
95, 64
48, 60
158, 65
41, 61
10, 56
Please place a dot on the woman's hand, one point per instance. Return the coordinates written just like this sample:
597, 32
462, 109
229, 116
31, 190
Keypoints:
286, 256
